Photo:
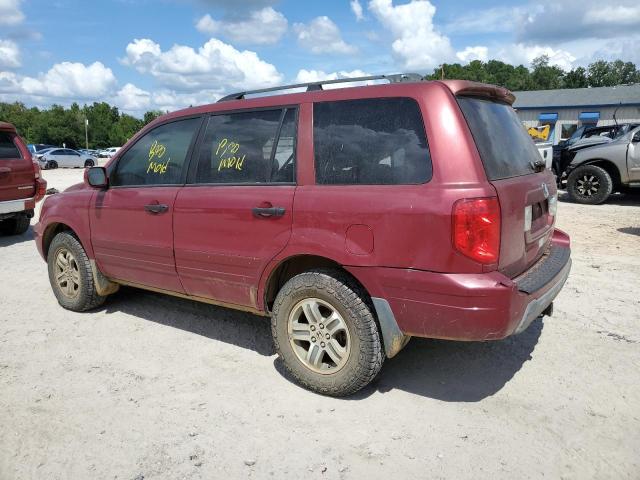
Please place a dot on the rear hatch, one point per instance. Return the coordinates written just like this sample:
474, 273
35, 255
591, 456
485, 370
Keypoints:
526, 190
17, 174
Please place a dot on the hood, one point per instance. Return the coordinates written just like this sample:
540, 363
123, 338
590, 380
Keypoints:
77, 186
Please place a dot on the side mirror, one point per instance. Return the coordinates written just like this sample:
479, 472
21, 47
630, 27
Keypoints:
97, 177
636, 137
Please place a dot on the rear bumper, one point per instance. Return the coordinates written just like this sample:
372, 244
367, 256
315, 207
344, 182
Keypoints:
487, 306
17, 206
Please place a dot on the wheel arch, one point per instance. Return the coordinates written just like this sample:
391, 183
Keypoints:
289, 267
607, 165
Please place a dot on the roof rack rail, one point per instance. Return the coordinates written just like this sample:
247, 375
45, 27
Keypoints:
313, 86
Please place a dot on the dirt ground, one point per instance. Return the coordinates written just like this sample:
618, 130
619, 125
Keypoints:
156, 387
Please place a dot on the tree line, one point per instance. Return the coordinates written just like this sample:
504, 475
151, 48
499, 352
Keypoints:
108, 127
541, 75
57, 125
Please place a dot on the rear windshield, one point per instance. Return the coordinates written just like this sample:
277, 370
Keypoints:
8, 149
504, 145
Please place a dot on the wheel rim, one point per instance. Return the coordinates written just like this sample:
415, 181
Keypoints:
67, 273
588, 185
319, 336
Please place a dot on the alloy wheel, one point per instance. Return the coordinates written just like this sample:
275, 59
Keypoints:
67, 273
319, 336
588, 185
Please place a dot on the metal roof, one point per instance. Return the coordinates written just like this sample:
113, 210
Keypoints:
579, 97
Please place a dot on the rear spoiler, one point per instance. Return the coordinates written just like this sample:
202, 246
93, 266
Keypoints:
482, 90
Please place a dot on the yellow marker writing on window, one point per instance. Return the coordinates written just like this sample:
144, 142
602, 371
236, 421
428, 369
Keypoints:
231, 162
157, 150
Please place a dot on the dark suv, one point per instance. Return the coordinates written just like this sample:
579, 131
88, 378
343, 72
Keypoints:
21, 185
355, 218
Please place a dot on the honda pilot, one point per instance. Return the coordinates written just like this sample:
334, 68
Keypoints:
355, 218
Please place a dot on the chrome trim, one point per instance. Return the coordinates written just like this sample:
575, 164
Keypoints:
539, 305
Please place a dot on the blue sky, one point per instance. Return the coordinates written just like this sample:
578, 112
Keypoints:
144, 54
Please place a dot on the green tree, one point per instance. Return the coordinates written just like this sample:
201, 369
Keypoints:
576, 78
545, 76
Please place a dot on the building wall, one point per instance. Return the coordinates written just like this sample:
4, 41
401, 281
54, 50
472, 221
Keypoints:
569, 116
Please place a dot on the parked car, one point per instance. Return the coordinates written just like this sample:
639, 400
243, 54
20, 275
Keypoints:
353, 217
584, 137
108, 152
596, 172
64, 157
21, 185
35, 147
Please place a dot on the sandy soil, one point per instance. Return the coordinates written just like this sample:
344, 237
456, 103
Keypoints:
156, 387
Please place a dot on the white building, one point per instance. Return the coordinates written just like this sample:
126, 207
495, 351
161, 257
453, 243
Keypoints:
566, 109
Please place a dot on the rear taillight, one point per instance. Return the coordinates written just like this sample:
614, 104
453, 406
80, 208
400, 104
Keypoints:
476, 228
41, 183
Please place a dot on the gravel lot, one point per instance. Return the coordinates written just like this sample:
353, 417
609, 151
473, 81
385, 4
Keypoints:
154, 387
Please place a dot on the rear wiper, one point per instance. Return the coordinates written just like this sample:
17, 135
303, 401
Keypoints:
538, 165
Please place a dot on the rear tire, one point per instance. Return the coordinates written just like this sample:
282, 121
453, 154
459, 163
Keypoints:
88, 164
589, 184
325, 333
15, 226
70, 274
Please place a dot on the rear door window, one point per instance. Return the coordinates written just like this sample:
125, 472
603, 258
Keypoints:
8, 149
238, 148
158, 157
505, 147
378, 141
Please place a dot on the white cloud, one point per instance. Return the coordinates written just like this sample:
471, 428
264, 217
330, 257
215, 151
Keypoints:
9, 54
553, 22
418, 45
215, 65
131, 98
356, 8
619, 15
309, 76
71, 80
520, 53
321, 35
265, 26
473, 53
490, 20
10, 12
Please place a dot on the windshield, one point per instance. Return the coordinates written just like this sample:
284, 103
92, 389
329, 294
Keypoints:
505, 147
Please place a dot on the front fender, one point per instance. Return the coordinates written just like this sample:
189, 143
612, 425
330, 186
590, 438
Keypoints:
71, 209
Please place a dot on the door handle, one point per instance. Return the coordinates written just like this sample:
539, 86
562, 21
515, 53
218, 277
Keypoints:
156, 208
266, 212
5, 170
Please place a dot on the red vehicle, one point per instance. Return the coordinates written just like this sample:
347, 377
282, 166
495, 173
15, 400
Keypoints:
21, 185
355, 217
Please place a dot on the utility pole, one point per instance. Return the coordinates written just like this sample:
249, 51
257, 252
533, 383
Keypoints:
86, 133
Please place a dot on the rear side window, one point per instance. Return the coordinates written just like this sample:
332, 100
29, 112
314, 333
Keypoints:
377, 141
506, 149
158, 157
8, 149
249, 148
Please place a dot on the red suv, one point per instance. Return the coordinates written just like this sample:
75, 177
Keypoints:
21, 185
354, 217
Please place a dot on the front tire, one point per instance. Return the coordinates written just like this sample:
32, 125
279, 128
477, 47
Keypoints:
70, 274
589, 184
51, 165
325, 333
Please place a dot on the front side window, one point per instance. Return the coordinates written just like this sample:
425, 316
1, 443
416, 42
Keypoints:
158, 157
238, 148
377, 141
8, 149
